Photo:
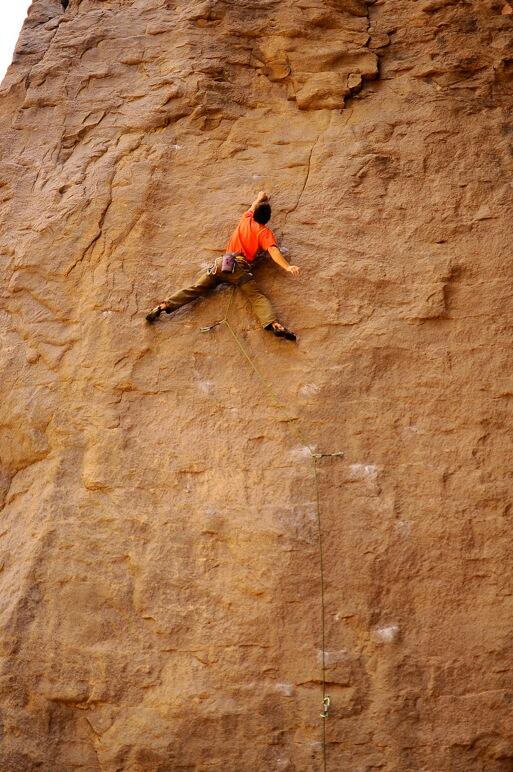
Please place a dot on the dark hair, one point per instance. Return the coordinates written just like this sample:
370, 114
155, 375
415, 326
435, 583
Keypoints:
262, 213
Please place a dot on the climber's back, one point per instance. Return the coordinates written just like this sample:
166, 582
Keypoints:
251, 234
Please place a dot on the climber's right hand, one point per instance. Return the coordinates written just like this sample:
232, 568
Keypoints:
295, 270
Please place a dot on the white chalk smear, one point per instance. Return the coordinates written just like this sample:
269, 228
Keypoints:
206, 386
302, 451
295, 516
386, 633
286, 689
308, 390
363, 471
333, 656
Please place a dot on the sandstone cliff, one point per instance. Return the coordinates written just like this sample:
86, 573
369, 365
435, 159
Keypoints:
160, 574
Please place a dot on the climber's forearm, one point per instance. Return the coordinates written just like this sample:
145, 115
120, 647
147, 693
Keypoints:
280, 260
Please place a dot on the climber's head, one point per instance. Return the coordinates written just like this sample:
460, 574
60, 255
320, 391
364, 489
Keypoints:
262, 213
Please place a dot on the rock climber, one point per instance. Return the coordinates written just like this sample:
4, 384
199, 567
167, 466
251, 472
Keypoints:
250, 237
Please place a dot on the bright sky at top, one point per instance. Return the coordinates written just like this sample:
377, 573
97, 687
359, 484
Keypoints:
12, 16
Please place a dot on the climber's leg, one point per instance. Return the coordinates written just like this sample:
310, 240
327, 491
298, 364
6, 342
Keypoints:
202, 285
260, 304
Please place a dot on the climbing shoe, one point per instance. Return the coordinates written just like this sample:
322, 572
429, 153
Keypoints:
155, 312
280, 331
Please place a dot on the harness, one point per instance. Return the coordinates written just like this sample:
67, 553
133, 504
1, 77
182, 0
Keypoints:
228, 264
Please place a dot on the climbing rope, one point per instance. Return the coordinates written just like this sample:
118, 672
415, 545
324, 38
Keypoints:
315, 458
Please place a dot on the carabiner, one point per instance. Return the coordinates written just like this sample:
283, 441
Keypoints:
325, 707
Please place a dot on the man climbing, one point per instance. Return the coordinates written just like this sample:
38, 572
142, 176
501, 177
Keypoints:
235, 267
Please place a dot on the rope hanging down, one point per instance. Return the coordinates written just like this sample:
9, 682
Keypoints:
315, 458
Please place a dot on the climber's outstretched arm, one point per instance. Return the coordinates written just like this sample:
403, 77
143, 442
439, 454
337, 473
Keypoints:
280, 260
262, 196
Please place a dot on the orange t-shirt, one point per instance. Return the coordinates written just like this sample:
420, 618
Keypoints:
249, 236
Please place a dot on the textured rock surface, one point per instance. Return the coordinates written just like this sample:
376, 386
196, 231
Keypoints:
160, 570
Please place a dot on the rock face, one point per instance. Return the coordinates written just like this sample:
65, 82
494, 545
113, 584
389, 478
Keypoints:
160, 583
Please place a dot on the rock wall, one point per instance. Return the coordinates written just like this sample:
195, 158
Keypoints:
160, 585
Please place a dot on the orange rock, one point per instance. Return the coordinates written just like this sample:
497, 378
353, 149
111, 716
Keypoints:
159, 553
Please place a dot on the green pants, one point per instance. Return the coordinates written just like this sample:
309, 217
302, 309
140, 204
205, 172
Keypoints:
205, 282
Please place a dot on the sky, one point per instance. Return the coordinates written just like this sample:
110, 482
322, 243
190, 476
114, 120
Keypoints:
12, 16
